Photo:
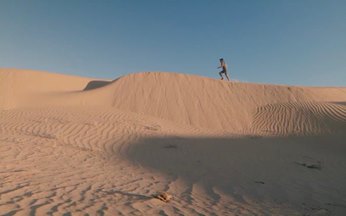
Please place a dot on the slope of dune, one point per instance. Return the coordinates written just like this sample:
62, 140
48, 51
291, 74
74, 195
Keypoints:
78, 146
208, 103
205, 103
299, 118
20, 87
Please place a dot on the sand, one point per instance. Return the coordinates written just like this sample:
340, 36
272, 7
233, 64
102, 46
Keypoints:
81, 146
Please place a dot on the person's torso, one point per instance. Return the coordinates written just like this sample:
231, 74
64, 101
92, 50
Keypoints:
224, 66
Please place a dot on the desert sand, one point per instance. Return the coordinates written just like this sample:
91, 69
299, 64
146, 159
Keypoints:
81, 146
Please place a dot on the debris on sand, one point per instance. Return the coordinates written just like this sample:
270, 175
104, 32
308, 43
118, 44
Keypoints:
171, 146
317, 166
164, 197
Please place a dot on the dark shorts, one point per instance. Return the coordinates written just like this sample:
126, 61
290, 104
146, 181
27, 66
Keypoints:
223, 71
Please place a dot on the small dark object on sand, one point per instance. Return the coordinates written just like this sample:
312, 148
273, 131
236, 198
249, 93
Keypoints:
171, 146
311, 166
164, 197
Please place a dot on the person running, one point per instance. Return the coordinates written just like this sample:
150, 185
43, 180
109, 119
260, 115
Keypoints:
224, 69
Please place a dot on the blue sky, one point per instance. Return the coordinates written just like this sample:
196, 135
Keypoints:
297, 42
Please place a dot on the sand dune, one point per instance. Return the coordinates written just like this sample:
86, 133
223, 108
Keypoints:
20, 87
203, 103
71, 145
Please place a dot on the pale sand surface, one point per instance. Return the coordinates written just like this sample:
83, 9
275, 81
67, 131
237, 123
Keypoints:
81, 146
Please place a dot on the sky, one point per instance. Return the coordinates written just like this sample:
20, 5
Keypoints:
294, 42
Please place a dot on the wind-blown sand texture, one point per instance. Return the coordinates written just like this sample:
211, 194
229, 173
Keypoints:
80, 146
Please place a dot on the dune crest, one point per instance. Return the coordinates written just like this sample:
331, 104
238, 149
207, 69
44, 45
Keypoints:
204, 103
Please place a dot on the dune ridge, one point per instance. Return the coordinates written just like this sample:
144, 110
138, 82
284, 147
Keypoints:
205, 103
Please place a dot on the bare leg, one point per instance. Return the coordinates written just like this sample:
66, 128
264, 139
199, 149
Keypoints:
220, 73
227, 76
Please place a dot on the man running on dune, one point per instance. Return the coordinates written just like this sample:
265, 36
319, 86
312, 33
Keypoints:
224, 69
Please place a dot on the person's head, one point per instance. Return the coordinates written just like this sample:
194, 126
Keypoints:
221, 59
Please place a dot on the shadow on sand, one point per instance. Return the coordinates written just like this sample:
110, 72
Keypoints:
340, 103
263, 168
94, 84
